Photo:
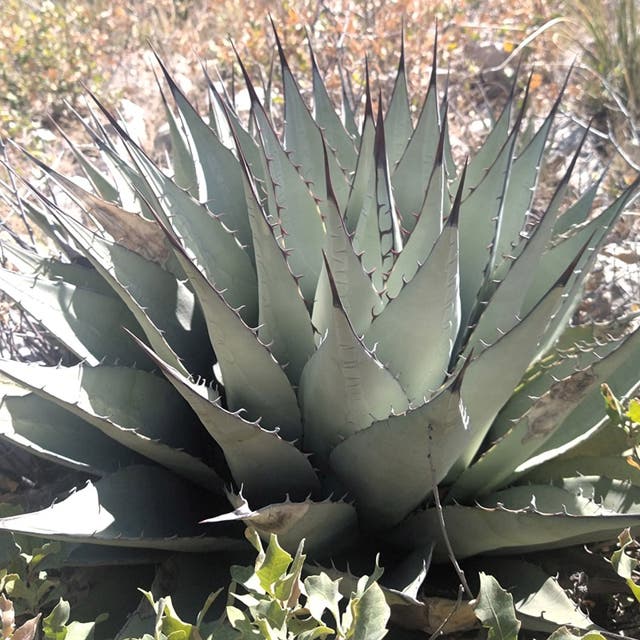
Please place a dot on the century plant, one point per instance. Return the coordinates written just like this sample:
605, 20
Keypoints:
330, 328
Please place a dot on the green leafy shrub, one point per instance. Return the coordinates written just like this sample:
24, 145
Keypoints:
276, 602
22, 577
338, 336
625, 564
494, 608
47, 49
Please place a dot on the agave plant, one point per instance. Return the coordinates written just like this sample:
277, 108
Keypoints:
309, 333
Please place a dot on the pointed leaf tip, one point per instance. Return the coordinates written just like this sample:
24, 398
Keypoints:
368, 105
379, 145
245, 74
283, 59
434, 63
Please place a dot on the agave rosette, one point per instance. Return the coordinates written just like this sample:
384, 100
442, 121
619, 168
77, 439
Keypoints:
318, 330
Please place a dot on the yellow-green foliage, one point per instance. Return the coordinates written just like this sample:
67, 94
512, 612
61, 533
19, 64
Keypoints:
46, 49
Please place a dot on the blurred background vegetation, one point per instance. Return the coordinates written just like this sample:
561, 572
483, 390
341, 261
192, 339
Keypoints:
49, 48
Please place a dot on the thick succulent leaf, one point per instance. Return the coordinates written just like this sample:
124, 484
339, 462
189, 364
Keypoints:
88, 323
333, 131
480, 214
348, 111
116, 400
100, 182
284, 322
590, 415
48, 431
521, 189
547, 414
544, 374
427, 228
557, 257
252, 378
290, 203
491, 149
41, 217
125, 227
324, 526
240, 138
495, 372
183, 162
418, 160
522, 519
251, 452
570, 465
415, 333
129, 182
378, 232
394, 465
215, 248
216, 118
579, 211
303, 139
503, 308
584, 267
398, 127
130, 508
355, 288
217, 171
541, 603
616, 496
344, 388
361, 203
99, 556
154, 297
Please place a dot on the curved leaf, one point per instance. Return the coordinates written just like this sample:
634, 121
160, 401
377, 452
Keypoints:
392, 466
290, 203
519, 520
344, 388
154, 296
48, 431
324, 526
427, 228
252, 378
496, 466
415, 333
217, 172
418, 160
494, 373
333, 131
398, 127
284, 321
355, 288
115, 400
88, 323
130, 508
251, 452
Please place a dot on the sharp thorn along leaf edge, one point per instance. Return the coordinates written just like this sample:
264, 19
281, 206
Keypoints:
300, 324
